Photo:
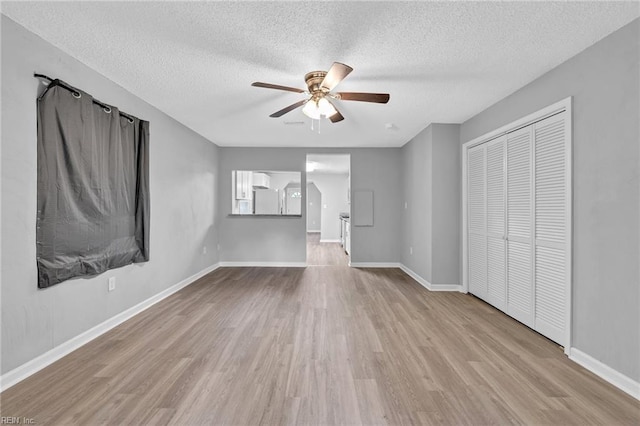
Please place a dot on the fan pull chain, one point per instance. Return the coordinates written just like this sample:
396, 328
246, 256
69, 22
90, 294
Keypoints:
315, 127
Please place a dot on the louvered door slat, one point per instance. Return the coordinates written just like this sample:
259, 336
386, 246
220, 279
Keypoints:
476, 171
478, 265
495, 187
519, 183
520, 285
550, 180
550, 227
476, 189
519, 244
496, 280
550, 293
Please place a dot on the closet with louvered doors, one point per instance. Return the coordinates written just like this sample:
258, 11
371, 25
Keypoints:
518, 224
486, 224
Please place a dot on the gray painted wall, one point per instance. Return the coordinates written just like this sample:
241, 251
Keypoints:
446, 180
260, 239
314, 215
417, 195
283, 240
604, 83
183, 178
378, 170
431, 191
334, 201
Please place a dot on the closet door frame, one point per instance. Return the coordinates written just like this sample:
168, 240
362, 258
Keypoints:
563, 105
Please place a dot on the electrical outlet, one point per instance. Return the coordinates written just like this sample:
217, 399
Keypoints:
405, 205
218, 247
112, 283
204, 250
410, 250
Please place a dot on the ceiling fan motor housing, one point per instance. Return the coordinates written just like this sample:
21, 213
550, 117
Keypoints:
314, 80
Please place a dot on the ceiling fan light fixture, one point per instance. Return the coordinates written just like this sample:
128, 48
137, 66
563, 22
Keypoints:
316, 109
325, 108
311, 110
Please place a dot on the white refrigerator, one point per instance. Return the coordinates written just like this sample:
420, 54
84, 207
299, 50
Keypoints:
267, 201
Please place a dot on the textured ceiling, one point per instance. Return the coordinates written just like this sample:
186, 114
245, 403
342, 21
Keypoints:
440, 61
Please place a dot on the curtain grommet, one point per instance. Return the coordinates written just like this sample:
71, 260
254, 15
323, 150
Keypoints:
107, 110
76, 95
131, 120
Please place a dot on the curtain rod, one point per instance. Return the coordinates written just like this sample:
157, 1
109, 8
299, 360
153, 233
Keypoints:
77, 95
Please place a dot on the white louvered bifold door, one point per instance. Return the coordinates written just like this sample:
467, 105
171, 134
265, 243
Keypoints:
551, 266
519, 224
496, 246
476, 213
520, 295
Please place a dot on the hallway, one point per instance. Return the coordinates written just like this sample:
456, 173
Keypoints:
324, 254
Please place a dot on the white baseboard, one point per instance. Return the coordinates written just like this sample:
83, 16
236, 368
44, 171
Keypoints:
25, 370
263, 264
426, 284
374, 264
446, 287
612, 376
329, 241
315, 231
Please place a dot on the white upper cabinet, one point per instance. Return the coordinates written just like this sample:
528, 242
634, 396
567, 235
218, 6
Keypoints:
260, 180
244, 188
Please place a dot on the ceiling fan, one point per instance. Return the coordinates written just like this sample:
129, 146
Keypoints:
320, 84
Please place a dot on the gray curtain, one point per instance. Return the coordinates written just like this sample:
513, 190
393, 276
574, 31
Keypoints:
93, 186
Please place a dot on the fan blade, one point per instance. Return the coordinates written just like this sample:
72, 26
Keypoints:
336, 74
336, 117
277, 87
380, 98
289, 108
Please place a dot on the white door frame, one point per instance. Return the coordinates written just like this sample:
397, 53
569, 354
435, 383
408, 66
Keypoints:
563, 105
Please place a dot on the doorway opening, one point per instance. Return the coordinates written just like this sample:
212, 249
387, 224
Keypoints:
328, 209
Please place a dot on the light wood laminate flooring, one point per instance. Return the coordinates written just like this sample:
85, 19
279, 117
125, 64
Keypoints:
318, 345
324, 254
